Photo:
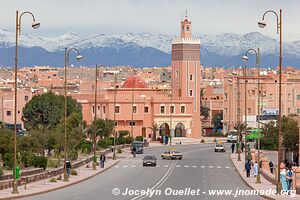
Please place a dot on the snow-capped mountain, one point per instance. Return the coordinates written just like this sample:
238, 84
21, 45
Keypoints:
145, 49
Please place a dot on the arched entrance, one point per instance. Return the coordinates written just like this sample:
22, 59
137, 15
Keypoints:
164, 129
180, 130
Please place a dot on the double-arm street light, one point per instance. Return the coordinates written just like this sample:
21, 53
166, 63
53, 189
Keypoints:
67, 57
245, 58
116, 75
262, 24
35, 25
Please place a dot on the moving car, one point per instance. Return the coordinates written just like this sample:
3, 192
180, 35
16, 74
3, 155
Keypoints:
149, 160
139, 147
232, 136
220, 147
172, 154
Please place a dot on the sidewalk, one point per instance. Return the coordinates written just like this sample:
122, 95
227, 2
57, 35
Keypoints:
264, 185
45, 185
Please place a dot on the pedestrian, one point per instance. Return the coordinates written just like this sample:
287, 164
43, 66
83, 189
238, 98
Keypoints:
68, 168
283, 180
255, 169
248, 168
242, 146
133, 151
289, 178
271, 165
232, 147
102, 160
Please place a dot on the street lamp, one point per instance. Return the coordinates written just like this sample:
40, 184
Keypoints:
262, 24
67, 57
35, 25
245, 58
115, 101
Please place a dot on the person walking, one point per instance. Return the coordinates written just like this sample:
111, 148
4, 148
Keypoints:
68, 168
283, 180
102, 160
255, 169
248, 168
242, 146
232, 147
271, 165
289, 178
133, 151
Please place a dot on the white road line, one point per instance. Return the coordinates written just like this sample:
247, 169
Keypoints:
227, 167
117, 166
219, 167
133, 166
195, 166
178, 166
166, 165
202, 166
186, 166
125, 166
211, 166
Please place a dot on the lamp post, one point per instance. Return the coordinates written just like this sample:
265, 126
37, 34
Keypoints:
115, 101
262, 24
78, 57
245, 58
34, 25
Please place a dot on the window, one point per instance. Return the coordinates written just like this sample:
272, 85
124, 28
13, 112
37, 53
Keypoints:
134, 109
239, 95
172, 109
117, 109
132, 123
239, 111
182, 28
225, 110
271, 96
191, 77
116, 124
298, 97
298, 110
289, 96
103, 109
146, 109
93, 109
162, 109
289, 110
26, 98
8, 113
182, 109
187, 28
177, 73
248, 110
98, 107
191, 93
225, 94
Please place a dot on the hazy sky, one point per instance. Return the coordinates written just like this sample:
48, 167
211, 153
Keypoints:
154, 16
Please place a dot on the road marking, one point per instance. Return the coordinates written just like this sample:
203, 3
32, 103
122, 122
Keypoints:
227, 167
211, 166
166, 165
186, 166
117, 166
178, 166
202, 166
195, 166
219, 167
125, 166
133, 166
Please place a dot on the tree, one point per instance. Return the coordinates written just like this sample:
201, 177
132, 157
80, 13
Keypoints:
290, 133
104, 128
217, 120
154, 128
47, 110
204, 111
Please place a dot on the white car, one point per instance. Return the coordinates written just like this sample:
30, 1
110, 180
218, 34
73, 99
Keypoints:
220, 148
232, 136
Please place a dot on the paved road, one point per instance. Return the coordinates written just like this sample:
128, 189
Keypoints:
201, 169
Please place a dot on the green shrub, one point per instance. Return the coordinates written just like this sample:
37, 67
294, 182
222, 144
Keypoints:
202, 141
73, 155
54, 163
105, 143
123, 133
1, 172
84, 145
128, 140
8, 160
40, 161
53, 180
216, 134
73, 172
26, 158
121, 141
139, 138
94, 159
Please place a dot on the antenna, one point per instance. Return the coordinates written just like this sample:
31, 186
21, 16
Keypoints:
186, 15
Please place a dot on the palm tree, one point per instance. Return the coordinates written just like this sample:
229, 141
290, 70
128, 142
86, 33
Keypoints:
240, 127
154, 128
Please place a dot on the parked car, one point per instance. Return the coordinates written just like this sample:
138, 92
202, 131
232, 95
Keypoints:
149, 160
232, 136
139, 147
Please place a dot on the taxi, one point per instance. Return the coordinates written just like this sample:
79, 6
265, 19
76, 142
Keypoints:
220, 147
172, 154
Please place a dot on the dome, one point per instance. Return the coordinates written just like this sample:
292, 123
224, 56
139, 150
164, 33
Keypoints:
134, 82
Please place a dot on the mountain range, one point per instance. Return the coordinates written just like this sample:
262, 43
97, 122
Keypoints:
143, 49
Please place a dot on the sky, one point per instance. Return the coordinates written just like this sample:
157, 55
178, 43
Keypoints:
209, 17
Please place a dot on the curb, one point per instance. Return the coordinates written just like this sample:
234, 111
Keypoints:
266, 197
64, 186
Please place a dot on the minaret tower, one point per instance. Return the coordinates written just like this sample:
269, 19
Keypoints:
186, 71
